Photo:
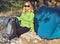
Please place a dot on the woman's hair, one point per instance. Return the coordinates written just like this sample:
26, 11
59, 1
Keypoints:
31, 8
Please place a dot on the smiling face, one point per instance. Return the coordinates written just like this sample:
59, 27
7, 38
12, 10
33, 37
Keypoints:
27, 6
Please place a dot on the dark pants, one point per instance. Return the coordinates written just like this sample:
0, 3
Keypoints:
18, 30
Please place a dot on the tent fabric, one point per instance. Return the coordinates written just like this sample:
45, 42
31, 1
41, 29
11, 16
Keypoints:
47, 22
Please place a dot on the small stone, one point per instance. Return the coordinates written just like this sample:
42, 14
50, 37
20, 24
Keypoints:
35, 41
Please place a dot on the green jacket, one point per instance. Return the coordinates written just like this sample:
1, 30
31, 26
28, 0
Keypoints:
27, 19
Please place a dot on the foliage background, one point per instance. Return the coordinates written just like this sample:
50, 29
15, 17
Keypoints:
7, 5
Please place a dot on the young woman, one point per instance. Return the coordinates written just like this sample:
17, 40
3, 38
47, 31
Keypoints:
26, 19
27, 16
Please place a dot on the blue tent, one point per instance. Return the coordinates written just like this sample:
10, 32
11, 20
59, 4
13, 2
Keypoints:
47, 22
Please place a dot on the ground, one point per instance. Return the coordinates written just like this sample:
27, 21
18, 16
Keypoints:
26, 38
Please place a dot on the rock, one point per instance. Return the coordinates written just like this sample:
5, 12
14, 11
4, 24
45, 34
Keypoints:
16, 41
27, 38
30, 38
3, 40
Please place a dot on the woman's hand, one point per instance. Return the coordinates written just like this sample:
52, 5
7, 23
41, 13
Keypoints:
34, 33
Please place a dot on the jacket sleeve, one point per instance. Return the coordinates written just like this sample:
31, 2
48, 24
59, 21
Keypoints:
32, 27
20, 17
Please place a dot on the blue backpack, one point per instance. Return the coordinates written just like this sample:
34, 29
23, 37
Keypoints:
47, 22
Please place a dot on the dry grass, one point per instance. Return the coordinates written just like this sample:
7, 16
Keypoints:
11, 13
